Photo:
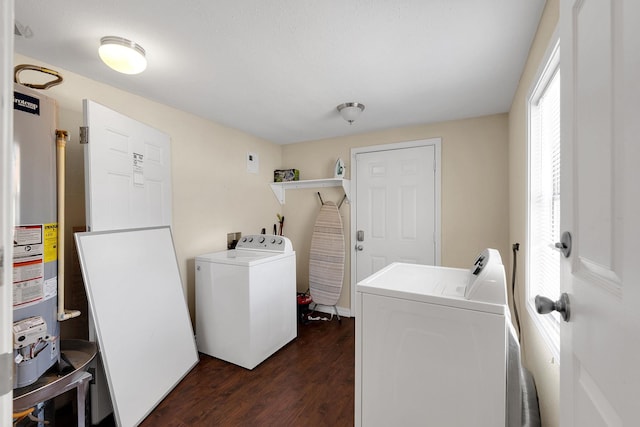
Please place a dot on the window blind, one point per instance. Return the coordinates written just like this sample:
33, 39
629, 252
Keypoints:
544, 203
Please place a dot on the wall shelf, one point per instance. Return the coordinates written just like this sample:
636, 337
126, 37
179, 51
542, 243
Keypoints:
279, 188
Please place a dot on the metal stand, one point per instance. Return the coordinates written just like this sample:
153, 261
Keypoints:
334, 309
50, 385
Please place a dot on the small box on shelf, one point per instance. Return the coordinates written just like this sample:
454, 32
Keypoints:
286, 175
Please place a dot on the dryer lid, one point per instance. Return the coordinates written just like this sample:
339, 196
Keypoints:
426, 283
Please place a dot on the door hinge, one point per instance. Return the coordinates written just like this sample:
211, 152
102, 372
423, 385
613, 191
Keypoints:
84, 134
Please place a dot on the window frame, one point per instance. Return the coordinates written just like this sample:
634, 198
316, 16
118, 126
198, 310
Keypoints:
547, 325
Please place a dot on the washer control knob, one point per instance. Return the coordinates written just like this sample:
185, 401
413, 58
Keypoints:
273, 241
280, 241
250, 239
244, 239
262, 240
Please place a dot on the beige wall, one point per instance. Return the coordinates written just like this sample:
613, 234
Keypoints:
474, 188
212, 192
537, 357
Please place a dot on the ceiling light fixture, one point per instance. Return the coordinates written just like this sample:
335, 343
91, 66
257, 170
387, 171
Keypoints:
350, 111
122, 55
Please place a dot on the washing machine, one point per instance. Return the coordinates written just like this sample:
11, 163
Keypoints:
246, 300
435, 347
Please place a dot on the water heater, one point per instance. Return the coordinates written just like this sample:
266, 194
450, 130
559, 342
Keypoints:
36, 330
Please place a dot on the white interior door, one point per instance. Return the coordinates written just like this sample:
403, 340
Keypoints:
127, 185
600, 66
396, 207
127, 172
6, 210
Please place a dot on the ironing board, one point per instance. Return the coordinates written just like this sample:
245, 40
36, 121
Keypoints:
326, 257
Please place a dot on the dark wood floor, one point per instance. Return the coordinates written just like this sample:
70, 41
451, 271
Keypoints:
309, 382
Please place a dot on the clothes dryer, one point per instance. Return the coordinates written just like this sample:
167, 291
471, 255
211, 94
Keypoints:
246, 300
435, 346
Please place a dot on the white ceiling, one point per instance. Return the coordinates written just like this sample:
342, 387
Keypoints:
278, 69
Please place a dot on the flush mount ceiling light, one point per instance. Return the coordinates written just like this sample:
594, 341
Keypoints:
350, 110
122, 55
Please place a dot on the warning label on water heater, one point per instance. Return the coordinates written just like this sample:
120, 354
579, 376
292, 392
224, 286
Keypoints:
50, 239
28, 264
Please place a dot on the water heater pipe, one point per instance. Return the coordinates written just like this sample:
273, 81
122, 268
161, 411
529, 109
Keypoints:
62, 137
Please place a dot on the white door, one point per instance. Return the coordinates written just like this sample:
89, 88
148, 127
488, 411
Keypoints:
127, 185
600, 345
6, 209
127, 172
396, 207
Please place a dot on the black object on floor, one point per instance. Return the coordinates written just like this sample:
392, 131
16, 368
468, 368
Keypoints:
303, 301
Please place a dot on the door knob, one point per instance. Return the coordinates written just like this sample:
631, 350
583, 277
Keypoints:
359, 247
544, 305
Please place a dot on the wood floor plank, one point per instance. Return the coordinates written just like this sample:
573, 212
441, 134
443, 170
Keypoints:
309, 382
